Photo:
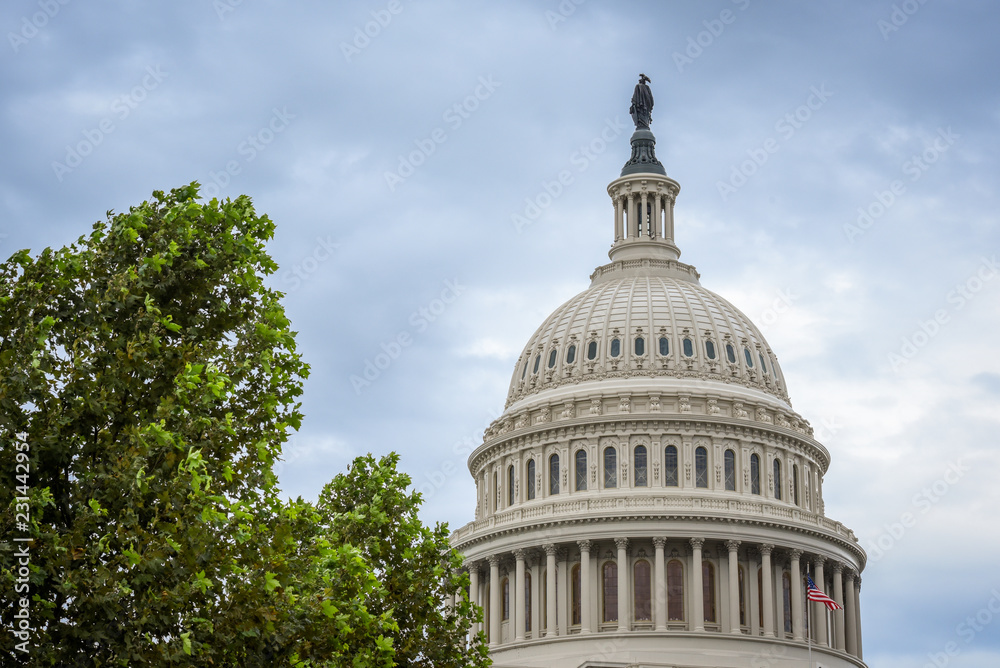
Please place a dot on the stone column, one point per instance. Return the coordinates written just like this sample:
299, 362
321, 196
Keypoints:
698, 595
517, 619
550, 590
618, 219
623, 579
563, 597
857, 612
495, 611
779, 595
670, 199
660, 585
657, 215
473, 596
536, 598
734, 586
585, 600
838, 617
819, 609
632, 223
798, 619
767, 589
644, 204
850, 614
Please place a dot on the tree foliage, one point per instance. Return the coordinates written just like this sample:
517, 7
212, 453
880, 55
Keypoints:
148, 379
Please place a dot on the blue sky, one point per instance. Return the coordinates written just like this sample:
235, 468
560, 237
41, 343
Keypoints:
838, 171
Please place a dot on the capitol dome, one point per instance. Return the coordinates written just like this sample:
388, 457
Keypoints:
649, 497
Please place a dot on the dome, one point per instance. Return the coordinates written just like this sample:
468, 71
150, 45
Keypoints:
658, 324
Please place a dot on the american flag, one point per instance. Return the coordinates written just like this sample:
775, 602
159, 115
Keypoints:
814, 594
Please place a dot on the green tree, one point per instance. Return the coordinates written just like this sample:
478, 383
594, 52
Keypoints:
148, 379
371, 508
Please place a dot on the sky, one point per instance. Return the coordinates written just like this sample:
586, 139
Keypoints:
838, 173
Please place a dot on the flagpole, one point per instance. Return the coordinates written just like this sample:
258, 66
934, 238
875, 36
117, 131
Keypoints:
809, 629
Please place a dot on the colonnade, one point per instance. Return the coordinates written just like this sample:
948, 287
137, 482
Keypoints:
615, 585
644, 214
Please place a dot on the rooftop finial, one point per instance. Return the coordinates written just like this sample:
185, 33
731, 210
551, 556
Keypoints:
642, 104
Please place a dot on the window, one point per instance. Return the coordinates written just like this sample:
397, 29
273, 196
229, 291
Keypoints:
575, 588
571, 355
610, 468
581, 470
675, 591
730, 462
554, 474
743, 597
749, 357
786, 588
525, 369
527, 602
510, 485
664, 346
616, 347
710, 350
777, 479
609, 591
486, 611
763, 365
701, 467
496, 491
538, 358
592, 350
529, 483
670, 466
795, 484
754, 474
760, 596
688, 348
639, 465
505, 589
552, 358
708, 590
640, 347
642, 591
730, 354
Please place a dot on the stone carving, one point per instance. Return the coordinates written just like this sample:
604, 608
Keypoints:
654, 403
567, 411
713, 407
718, 473
783, 421
739, 411
595, 406
624, 405
656, 470
762, 416
520, 421
624, 471
685, 404
593, 473
544, 415
659, 542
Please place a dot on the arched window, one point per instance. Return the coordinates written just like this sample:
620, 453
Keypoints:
552, 358
760, 596
730, 354
710, 349
554, 474
592, 350
496, 491
795, 484
675, 591
538, 359
505, 589
616, 347
510, 485
610, 467
609, 592
786, 588
581, 470
700, 467
730, 462
574, 575
642, 591
754, 474
708, 590
670, 466
743, 599
640, 347
527, 602
688, 348
748, 357
525, 369
777, 479
571, 354
639, 465
529, 483
664, 346
763, 365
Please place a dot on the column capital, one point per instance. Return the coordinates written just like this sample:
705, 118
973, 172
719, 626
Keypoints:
732, 545
585, 545
837, 567
818, 560
849, 576
795, 554
519, 554
857, 583
494, 560
550, 549
697, 543
621, 543
471, 566
765, 549
659, 542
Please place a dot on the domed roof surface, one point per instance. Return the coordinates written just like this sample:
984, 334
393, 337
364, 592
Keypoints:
659, 324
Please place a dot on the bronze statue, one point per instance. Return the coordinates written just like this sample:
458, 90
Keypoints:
642, 104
